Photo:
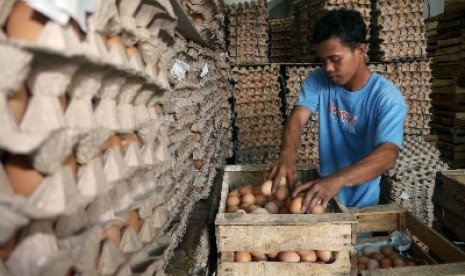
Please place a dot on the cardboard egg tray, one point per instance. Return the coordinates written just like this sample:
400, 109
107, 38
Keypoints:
281, 35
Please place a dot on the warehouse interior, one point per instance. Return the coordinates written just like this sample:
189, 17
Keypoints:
137, 137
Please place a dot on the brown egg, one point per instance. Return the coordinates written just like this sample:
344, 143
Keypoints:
386, 250
112, 141
372, 264
251, 208
398, 262
367, 250
133, 51
272, 255
323, 255
271, 207
318, 209
266, 187
117, 39
284, 210
24, 179
278, 202
308, 256
392, 256
232, 209
232, 201
244, 206
134, 220
197, 137
385, 263
247, 189
234, 192
289, 257
361, 267
72, 163
18, 102
198, 164
242, 256
258, 256
410, 263
113, 233
248, 199
24, 23
376, 256
282, 193
259, 211
260, 200
363, 259
296, 205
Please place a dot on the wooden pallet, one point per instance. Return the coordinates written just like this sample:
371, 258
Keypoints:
449, 200
383, 219
453, 135
280, 232
448, 118
455, 152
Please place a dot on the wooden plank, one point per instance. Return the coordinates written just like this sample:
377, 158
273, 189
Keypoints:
341, 266
453, 221
379, 218
448, 146
321, 236
429, 270
435, 242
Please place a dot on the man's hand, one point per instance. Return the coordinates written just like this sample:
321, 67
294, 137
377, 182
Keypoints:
284, 168
322, 189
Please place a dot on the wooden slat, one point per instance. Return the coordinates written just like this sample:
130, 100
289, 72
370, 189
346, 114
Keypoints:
435, 242
453, 221
341, 266
379, 218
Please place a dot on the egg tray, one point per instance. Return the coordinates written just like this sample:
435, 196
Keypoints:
442, 256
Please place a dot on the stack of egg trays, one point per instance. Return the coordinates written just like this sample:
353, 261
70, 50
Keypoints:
207, 17
398, 31
281, 33
411, 182
248, 32
295, 76
258, 117
413, 80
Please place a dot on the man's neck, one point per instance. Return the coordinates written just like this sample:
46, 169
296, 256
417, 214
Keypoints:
360, 79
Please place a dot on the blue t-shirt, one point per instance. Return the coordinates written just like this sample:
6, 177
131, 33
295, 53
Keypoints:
352, 125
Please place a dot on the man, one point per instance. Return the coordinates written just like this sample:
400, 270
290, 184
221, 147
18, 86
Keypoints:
361, 118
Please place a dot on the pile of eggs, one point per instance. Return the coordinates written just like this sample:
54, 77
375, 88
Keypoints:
386, 257
260, 200
308, 256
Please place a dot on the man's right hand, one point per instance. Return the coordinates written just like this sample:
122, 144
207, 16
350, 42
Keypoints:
283, 169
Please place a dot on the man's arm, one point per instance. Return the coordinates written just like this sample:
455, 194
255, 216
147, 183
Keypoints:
285, 166
382, 159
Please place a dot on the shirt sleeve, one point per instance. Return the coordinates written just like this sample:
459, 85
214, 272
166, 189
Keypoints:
390, 127
309, 93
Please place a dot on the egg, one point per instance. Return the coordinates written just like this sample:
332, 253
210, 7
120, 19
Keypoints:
260, 200
272, 255
259, 211
198, 164
244, 206
386, 250
289, 257
282, 193
258, 256
372, 264
296, 205
234, 192
232, 201
318, 209
251, 208
361, 267
392, 256
242, 256
307, 256
278, 202
248, 199
367, 250
23, 178
323, 255
257, 190
398, 262
247, 189
376, 256
410, 263
271, 207
232, 209
240, 211
266, 187
385, 263
363, 259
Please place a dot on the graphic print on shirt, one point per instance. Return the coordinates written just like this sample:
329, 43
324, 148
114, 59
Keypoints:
345, 119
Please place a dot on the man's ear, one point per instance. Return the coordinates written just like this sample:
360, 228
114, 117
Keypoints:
362, 49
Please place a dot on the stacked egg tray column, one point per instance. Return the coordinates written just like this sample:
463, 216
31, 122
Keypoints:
448, 98
308, 151
398, 31
248, 32
258, 117
90, 173
281, 33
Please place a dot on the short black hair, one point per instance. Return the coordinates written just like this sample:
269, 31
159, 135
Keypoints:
347, 25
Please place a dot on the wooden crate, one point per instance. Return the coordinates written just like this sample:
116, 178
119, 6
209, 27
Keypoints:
449, 200
443, 257
280, 232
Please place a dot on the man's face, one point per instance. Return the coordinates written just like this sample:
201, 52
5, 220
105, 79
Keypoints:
339, 61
